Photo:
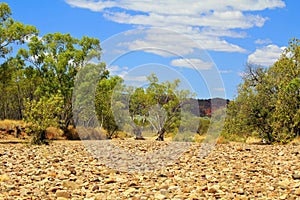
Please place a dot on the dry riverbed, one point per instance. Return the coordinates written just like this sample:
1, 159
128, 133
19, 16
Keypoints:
66, 170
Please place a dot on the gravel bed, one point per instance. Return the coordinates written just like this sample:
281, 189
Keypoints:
67, 170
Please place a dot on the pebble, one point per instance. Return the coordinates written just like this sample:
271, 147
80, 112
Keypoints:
95, 188
4, 178
159, 196
173, 188
62, 198
70, 184
65, 170
240, 191
62, 193
213, 189
129, 191
296, 176
297, 192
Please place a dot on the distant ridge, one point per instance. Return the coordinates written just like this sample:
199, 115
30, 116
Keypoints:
205, 107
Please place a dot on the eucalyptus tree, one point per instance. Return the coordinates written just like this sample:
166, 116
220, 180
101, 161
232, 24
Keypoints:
103, 104
158, 105
12, 35
268, 100
58, 57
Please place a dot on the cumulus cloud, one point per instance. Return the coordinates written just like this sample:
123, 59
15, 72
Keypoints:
192, 63
92, 5
207, 21
227, 20
162, 42
266, 56
178, 7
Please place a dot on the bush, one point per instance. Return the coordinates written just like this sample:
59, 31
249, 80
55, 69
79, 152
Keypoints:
71, 133
91, 133
268, 100
42, 114
204, 124
53, 133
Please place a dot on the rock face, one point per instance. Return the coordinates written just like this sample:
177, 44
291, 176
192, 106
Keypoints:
66, 170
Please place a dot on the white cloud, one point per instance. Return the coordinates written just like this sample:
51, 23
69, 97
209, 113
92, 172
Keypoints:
206, 21
114, 68
92, 5
178, 7
135, 78
266, 56
162, 42
221, 89
223, 32
192, 64
224, 20
263, 41
170, 43
225, 71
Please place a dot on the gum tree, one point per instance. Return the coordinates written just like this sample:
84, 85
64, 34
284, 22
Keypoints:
58, 57
12, 35
268, 100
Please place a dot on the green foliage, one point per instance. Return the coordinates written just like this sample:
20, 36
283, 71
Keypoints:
204, 124
58, 58
166, 101
268, 101
103, 104
12, 85
138, 110
158, 105
42, 114
45, 67
84, 94
12, 32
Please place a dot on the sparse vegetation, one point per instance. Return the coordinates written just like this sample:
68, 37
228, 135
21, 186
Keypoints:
37, 83
268, 101
41, 115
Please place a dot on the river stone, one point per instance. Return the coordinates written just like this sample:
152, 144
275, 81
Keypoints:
62, 193
296, 176
159, 196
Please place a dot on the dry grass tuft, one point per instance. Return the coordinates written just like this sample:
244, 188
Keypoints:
11, 124
222, 140
199, 138
295, 141
53, 133
253, 140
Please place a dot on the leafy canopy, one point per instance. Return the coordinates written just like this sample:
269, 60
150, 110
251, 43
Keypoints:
268, 101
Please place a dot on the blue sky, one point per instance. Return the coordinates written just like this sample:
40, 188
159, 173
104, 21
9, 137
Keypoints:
205, 43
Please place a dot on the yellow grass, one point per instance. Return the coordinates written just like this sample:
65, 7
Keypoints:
10, 124
296, 141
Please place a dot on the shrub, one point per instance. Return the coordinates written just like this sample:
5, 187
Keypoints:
42, 114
